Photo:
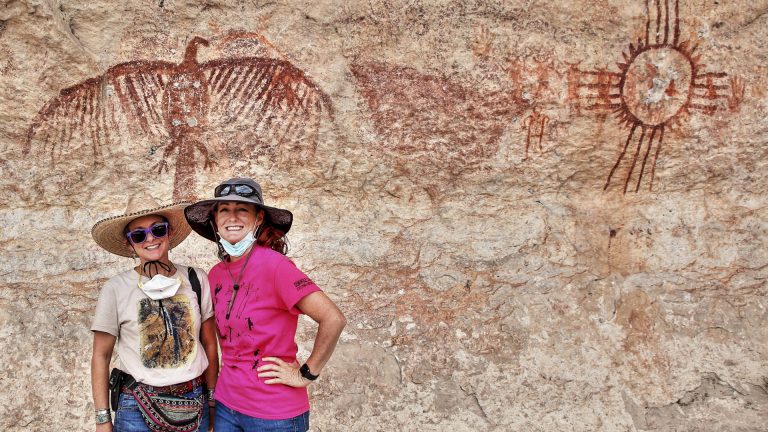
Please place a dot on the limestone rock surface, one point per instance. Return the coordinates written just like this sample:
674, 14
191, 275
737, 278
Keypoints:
536, 216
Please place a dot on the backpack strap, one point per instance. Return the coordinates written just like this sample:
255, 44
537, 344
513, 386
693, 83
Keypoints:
195, 282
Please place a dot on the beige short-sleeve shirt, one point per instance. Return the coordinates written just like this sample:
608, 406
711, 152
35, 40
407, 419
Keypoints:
157, 340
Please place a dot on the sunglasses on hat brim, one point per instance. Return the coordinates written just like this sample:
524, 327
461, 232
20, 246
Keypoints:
243, 190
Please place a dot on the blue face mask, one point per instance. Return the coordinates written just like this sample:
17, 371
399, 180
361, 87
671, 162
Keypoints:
239, 248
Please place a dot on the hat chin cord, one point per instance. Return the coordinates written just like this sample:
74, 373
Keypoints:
152, 268
236, 282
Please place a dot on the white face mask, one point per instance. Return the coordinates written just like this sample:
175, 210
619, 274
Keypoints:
160, 287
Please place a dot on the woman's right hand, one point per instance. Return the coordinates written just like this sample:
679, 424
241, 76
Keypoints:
277, 371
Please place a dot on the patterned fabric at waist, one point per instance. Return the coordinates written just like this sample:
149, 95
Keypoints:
174, 389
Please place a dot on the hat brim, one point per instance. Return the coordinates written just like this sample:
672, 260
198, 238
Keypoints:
108, 233
199, 215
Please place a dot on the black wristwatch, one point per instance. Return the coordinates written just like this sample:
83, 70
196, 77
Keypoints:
306, 373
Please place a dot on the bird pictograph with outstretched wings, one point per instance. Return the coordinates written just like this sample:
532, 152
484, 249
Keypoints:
177, 107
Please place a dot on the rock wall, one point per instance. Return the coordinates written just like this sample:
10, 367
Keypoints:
537, 216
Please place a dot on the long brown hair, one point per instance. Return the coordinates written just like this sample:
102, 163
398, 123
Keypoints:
272, 237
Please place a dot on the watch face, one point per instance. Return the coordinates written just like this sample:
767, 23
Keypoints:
304, 370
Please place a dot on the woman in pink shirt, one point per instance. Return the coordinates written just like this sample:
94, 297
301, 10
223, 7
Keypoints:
258, 295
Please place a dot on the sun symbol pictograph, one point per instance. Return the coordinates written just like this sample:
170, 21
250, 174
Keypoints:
660, 83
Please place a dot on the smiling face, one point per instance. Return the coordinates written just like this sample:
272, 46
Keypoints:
234, 220
152, 249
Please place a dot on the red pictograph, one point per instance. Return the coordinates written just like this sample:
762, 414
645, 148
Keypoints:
660, 83
430, 121
534, 82
270, 100
535, 125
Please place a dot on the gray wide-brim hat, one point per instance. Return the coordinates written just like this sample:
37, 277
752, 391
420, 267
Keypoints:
200, 216
109, 233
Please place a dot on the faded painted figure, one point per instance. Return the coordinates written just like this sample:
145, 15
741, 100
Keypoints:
159, 315
185, 106
271, 105
258, 295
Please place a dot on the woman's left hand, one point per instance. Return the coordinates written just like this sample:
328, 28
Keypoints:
281, 372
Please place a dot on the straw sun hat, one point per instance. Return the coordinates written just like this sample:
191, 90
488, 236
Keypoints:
109, 233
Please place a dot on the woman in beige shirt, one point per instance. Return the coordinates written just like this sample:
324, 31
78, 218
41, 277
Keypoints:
160, 324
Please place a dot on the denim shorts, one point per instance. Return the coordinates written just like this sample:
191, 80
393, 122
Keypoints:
128, 417
229, 420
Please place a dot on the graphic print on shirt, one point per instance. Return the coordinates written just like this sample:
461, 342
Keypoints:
240, 301
235, 333
165, 332
255, 359
252, 358
247, 295
302, 283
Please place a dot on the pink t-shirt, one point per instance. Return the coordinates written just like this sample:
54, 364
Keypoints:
262, 323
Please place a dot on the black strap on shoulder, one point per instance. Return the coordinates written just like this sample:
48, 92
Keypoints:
195, 282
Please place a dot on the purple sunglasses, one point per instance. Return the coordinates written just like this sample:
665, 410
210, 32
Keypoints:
139, 235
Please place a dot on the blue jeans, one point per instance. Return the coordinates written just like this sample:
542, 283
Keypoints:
128, 417
229, 420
